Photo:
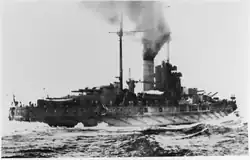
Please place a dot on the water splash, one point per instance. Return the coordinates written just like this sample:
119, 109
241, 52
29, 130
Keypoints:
226, 136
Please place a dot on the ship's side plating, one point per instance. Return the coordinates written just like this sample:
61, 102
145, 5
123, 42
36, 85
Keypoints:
167, 115
176, 105
61, 111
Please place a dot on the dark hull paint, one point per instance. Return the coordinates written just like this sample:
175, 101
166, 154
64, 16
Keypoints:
162, 120
160, 116
69, 117
123, 115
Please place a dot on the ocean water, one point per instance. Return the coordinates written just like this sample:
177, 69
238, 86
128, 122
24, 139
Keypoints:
226, 136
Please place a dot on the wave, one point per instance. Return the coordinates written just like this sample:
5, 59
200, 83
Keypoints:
220, 137
222, 125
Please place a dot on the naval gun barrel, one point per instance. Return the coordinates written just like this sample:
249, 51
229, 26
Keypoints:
86, 90
214, 94
201, 91
209, 93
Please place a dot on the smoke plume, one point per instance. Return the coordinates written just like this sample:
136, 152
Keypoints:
147, 16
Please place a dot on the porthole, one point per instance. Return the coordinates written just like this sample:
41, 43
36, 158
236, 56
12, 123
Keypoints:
141, 110
194, 108
203, 108
160, 109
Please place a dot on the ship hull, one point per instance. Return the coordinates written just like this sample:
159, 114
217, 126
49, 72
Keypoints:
123, 115
162, 120
138, 116
54, 117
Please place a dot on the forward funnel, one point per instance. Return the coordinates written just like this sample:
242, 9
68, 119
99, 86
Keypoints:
148, 70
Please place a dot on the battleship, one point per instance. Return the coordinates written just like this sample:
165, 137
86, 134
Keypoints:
163, 101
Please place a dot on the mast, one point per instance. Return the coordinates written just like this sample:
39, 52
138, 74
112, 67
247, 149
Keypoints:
168, 48
120, 34
168, 52
120, 38
129, 74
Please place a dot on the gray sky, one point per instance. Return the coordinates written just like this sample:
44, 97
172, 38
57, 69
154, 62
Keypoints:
61, 46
